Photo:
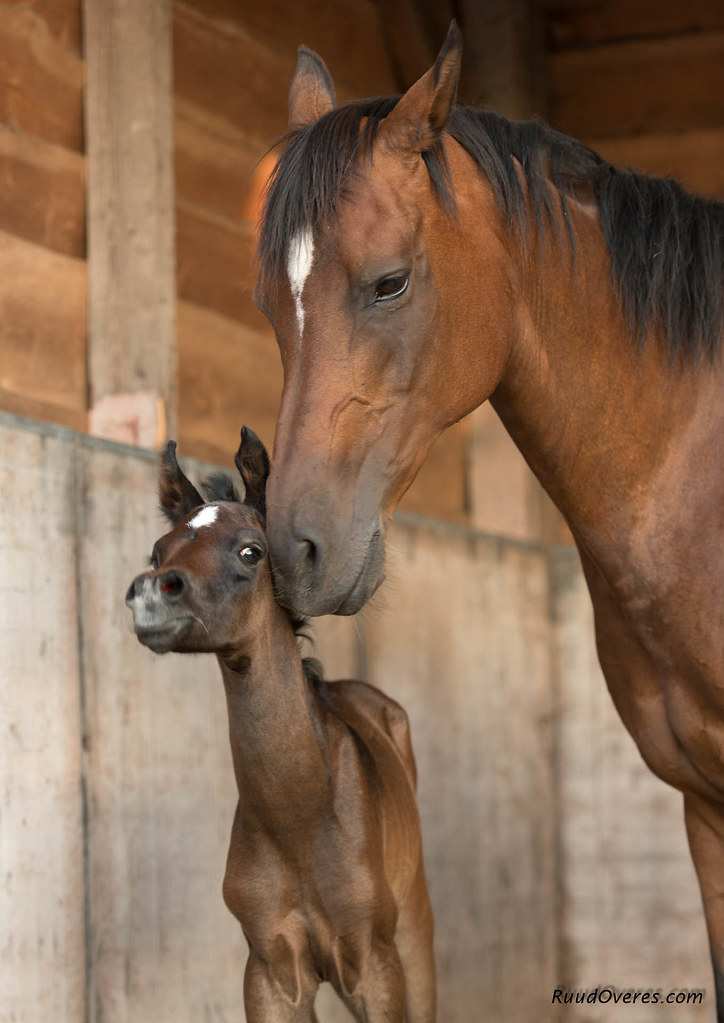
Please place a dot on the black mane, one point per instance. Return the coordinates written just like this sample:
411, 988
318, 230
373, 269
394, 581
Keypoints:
666, 246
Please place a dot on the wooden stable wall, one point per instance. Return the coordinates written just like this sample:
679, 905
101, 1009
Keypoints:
554, 858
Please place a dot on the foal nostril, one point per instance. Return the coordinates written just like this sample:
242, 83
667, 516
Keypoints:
172, 585
131, 592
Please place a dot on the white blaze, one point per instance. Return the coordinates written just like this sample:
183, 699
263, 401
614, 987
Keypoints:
205, 517
299, 262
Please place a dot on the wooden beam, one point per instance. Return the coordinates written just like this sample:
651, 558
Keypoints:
129, 128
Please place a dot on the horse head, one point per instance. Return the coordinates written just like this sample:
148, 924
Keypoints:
368, 277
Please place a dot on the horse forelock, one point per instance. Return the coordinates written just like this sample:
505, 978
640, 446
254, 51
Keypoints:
666, 246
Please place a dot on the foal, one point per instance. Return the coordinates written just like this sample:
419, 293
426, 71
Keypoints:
325, 870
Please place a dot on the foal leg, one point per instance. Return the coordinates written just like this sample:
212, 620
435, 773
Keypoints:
414, 939
379, 995
266, 1000
705, 828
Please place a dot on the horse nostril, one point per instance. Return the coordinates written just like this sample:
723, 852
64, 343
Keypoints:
131, 592
172, 585
309, 551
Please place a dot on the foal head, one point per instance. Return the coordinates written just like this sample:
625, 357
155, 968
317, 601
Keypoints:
367, 279
209, 581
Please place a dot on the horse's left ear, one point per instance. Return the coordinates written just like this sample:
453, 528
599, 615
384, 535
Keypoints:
177, 493
419, 118
311, 93
252, 461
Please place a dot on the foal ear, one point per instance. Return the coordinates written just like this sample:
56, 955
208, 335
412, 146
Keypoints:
311, 93
177, 493
419, 118
252, 461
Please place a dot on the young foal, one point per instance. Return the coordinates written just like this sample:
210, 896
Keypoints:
325, 870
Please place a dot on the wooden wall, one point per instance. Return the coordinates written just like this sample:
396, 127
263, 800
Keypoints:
42, 211
643, 83
553, 856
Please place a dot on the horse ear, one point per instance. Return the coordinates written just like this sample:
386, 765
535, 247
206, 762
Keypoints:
252, 461
420, 116
177, 493
311, 93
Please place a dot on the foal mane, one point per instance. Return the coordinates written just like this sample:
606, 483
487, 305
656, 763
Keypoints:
666, 246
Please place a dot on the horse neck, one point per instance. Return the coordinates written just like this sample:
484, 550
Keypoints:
595, 419
274, 722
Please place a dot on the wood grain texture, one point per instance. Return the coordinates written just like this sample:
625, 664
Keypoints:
695, 158
42, 193
589, 24
61, 17
132, 344
42, 966
41, 80
42, 324
663, 85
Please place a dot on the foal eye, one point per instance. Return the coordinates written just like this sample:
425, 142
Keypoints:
391, 287
251, 555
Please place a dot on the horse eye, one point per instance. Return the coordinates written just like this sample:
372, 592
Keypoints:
251, 555
391, 287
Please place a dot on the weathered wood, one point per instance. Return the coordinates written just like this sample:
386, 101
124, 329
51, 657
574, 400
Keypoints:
216, 264
42, 324
695, 158
229, 375
346, 33
593, 23
62, 18
41, 81
465, 650
441, 486
663, 85
213, 171
631, 907
42, 966
42, 197
34, 408
132, 346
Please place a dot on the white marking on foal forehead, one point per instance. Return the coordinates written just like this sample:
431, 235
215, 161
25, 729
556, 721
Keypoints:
205, 517
299, 262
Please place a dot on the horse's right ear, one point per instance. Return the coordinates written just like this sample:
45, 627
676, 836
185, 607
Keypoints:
177, 493
252, 461
311, 93
419, 118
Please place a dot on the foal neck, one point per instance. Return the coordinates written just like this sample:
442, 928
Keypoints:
274, 720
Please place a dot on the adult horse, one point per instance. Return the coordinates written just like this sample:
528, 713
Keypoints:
418, 257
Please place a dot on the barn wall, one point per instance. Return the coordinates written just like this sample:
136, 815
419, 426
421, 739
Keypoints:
643, 83
553, 856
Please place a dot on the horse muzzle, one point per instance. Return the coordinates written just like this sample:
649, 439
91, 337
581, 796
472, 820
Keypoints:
161, 619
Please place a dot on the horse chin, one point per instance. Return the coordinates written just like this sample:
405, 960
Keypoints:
165, 637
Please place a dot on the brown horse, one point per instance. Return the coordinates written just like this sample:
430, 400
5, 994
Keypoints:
325, 868
418, 257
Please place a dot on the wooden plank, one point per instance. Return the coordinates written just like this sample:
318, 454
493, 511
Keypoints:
132, 346
213, 171
464, 647
42, 193
229, 375
632, 912
615, 20
695, 158
34, 408
215, 264
62, 19
632, 88
161, 785
347, 34
42, 324
42, 968
41, 81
